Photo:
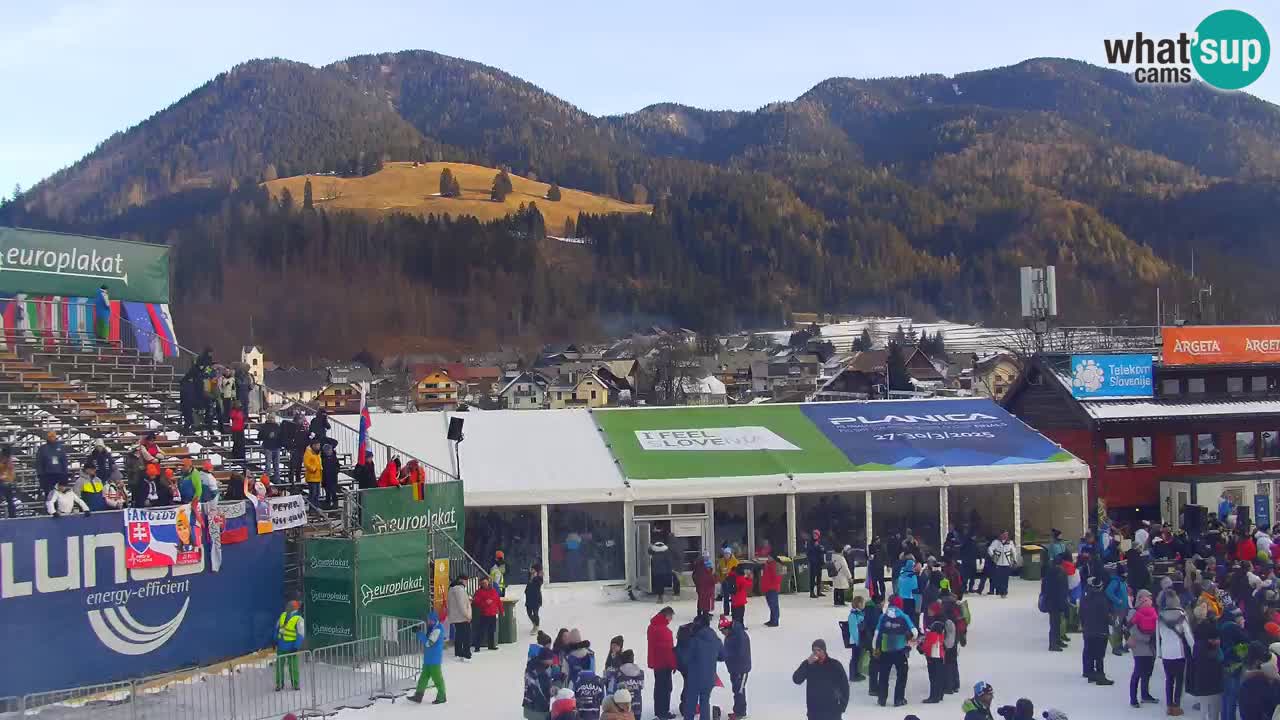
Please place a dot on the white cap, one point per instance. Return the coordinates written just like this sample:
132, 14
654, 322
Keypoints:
622, 697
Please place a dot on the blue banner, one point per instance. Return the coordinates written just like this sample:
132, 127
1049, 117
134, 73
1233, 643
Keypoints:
1112, 376
72, 614
930, 433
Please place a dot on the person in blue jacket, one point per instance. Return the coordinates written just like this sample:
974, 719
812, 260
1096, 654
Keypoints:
857, 619
1118, 594
432, 638
909, 590
737, 659
699, 656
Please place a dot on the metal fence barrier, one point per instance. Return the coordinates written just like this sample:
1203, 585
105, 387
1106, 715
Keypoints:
382, 665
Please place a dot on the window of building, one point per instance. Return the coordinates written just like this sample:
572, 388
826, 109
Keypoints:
1195, 386
1270, 444
1235, 385
593, 394
1140, 450
1259, 383
1115, 452
1182, 450
1209, 452
1246, 446
1171, 387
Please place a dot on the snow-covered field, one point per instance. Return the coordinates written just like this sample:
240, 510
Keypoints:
1007, 648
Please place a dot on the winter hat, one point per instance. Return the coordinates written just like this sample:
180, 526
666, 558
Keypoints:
1166, 583
617, 640
819, 644
982, 688
1173, 602
543, 639
575, 636
622, 698
564, 694
626, 656
896, 601
1144, 596
726, 622
1272, 629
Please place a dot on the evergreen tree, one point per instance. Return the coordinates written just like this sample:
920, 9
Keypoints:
899, 378
308, 202
286, 200
899, 336
939, 345
863, 343
501, 186
569, 228
446, 183
553, 192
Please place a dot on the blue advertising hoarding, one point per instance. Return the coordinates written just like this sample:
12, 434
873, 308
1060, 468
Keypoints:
72, 614
930, 433
1112, 376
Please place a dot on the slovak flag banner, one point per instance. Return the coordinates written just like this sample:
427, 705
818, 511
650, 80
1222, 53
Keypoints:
157, 537
366, 422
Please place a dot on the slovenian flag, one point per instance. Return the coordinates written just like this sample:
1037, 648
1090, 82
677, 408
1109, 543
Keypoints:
366, 422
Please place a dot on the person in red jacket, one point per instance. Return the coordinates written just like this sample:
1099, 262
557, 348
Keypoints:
662, 660
704, 581
390, 476
771, 585
1246, 549
237, 431
488, 605
742, 588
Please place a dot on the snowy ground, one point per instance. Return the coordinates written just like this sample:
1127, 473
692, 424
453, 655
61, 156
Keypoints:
1007, 648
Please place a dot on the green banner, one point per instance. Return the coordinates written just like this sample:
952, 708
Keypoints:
38, 262
393, 576
397, 509
329, 600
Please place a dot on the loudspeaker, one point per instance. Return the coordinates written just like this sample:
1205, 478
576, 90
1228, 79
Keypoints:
1195, 518
1242, 517
455, 429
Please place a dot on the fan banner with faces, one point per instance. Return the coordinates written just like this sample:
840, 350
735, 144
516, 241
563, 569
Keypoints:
162, 537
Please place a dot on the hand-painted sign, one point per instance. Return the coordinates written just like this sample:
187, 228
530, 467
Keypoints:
39, 262
1111, 376
287, 512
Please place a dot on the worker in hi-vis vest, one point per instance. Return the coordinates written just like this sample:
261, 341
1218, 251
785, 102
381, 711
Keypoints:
289, 636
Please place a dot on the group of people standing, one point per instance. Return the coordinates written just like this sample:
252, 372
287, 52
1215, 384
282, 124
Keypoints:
1210, 616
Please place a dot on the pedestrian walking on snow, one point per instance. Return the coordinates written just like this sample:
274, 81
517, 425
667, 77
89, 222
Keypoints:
1095, 625
432, 639
662, 660
826, 691
737, 660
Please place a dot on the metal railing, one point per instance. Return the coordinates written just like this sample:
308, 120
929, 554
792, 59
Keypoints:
348, 439
383, 665
444, 546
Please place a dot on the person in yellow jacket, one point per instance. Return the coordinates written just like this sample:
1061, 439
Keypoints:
290, 633
726, 564
313, 472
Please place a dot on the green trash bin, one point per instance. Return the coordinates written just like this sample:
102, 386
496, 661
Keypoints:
787, 570
1032, 559
801, 573
507, 622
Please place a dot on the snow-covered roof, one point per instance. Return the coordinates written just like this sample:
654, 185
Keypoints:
1147, 409
709, 385
510, 457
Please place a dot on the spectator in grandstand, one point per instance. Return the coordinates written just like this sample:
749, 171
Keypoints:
313, 471
297, 439
114, 493
226, 395
90, 488
320, 426
168, 489
51, 463
329, 474
190, 396
237, 421
414, 474
145, 489
364, 474
390, 476
244, 385
192, 485
64, 501
147, 449
102, 460
8, 488
269, 435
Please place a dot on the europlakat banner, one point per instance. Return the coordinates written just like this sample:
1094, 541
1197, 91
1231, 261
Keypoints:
39, 262
73, 614
816, 438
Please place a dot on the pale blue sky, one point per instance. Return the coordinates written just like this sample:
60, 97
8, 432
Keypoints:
73, 72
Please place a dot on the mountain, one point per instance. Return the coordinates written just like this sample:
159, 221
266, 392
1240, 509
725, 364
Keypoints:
919, 194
